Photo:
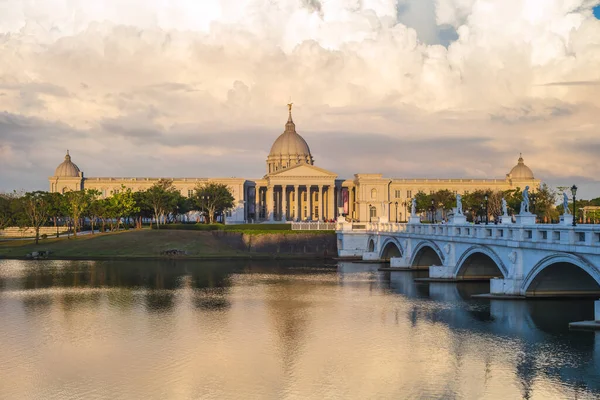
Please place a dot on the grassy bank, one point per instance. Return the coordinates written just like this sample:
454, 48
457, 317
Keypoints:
141, 244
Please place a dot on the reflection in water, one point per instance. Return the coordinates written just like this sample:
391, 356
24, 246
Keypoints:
186, 329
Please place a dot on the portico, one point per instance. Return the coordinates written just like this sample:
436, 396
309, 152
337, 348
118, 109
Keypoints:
303, 192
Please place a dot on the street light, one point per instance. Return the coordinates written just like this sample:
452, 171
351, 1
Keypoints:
574, 192
396, 203
486, 209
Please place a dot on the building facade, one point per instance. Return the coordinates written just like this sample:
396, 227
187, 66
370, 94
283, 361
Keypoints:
294, 189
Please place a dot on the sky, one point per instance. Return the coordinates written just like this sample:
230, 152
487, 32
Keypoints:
406, 88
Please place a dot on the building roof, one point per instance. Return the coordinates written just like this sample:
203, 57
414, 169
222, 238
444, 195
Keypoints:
67, 168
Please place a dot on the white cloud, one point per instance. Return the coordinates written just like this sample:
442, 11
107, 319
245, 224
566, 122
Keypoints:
231, 65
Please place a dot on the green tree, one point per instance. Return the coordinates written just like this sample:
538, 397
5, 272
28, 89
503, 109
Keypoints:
543, 201
7, 217
119, 205
162, 198
145, 209
35, 207
92, 209
213, 198
77, 204
423, 202
57, 209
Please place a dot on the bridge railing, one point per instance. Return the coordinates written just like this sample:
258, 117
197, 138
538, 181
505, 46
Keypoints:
313, 226
580, 235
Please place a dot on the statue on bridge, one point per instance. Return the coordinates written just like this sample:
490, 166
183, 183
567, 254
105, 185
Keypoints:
459, 209
566, 209
525, 202
413, 207
504, 208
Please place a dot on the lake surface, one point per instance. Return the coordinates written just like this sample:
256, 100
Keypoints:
294, 330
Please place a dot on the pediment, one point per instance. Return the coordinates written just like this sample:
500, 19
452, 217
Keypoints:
304, 170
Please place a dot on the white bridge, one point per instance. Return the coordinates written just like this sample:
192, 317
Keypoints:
520, 260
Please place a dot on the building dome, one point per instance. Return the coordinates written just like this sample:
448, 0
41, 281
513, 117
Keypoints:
289, 149
521, 171
67, 168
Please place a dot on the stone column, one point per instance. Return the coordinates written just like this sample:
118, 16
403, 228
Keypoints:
320, 202
297, 215
340, 201
257, 203
269, 202
351, 202
309, 198
330, 202
284, 203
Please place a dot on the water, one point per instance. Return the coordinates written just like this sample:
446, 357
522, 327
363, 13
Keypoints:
296, 330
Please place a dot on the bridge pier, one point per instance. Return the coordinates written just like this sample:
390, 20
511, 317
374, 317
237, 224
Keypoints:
441, 272
589, 325
505, 287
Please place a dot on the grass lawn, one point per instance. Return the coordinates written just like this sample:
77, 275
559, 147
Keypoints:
132, 243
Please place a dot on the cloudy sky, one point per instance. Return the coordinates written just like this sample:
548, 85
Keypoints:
407, 88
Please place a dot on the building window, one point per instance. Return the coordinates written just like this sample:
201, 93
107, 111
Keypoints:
190, 192
116, 191
431, 192
398, 194
316, 214
373, 193
408, 194
316, 196
373, 212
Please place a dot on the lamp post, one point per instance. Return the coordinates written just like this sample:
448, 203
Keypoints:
574, 192
396, 204
486, 209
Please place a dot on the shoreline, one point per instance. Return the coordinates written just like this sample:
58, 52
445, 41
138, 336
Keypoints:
164, 258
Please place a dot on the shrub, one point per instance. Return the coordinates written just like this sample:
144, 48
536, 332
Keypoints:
44, 236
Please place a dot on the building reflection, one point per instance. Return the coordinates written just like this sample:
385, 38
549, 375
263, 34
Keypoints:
529, 322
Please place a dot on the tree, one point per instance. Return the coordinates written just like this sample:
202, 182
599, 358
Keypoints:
544, 200
36, 207
7, 217
213, 198
423, 202
162, 198
92, 209
513, 199
145, 209
57, 208
119, 205
77, 203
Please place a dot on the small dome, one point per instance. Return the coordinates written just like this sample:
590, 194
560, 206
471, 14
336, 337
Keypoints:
67, 168
521, 171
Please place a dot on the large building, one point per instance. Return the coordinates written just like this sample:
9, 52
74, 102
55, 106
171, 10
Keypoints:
295, 189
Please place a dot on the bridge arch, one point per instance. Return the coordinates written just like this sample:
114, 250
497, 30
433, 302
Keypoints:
426, 254
562, 275
390, 247
481, 262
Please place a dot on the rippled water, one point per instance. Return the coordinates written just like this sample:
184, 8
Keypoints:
297, 330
